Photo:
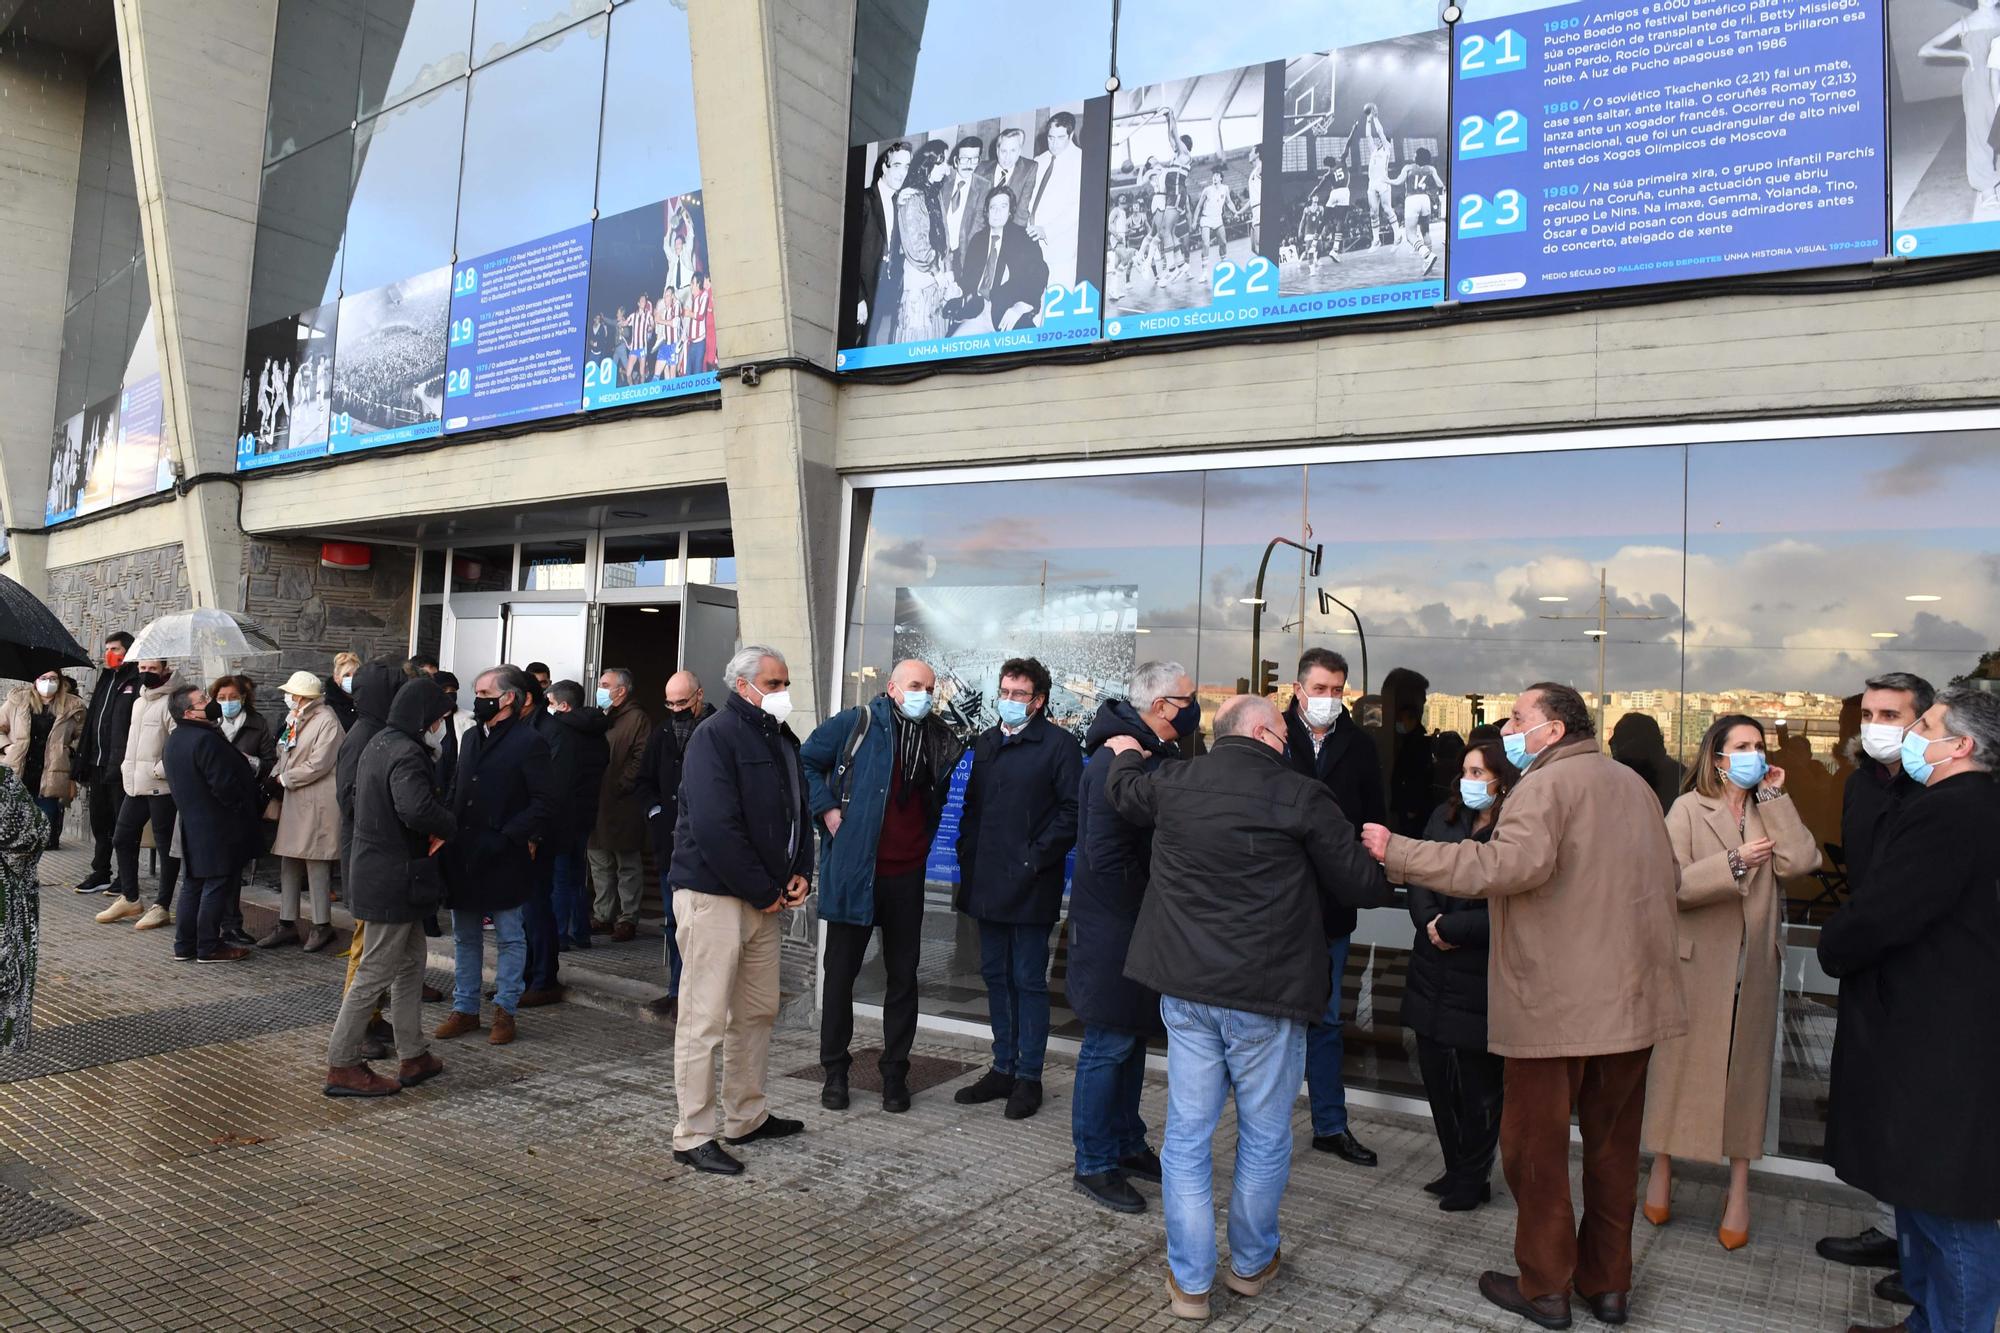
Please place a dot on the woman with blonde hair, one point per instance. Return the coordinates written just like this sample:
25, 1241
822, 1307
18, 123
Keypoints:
1737, 837
308, 841
42, 724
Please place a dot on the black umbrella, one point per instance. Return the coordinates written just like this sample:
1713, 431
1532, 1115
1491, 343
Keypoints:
32, 640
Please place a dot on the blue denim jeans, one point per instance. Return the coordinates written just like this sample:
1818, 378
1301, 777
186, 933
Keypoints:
569, 897
1325, 1049
1015, 962
1951, 1267
1104, 1103
510, 938
670, 955
1212, 1052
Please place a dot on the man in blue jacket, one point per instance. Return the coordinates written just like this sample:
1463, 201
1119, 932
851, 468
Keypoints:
1016, 832
878, 774
742, 853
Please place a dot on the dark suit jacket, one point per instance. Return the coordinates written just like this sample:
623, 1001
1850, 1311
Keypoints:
215, 792
870, 224
973, 220
1023, 275
1026, 169
502, 803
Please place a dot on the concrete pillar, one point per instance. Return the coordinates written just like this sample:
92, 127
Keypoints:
41, 141
771, 82
197, 80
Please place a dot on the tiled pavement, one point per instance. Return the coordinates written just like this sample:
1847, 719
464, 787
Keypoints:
167, 1162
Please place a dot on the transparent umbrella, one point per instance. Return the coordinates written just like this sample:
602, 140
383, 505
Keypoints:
204, 632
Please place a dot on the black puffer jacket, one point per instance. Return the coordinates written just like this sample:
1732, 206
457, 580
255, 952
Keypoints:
578, 756
1444, 998
1249, 858
391, 877
375, 687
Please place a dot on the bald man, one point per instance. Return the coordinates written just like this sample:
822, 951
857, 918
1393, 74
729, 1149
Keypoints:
659, 793
878, 775
1251, 859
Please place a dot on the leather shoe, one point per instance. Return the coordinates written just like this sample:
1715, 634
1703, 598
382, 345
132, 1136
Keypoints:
991, 1087
1504, 1290
318, 938
535, 999
456, 1024
1025, 1099
1465, 1200
667, 1007
503, 1029
622, 932
1611, 1307
710, 1157
1111, 1189
1890, 1288
1439, 1185
774, 1127
358, 1081
432, 995
895, 1092
1870, 1249
1346, 1147
1142, 1165
422, 1069
834, 1095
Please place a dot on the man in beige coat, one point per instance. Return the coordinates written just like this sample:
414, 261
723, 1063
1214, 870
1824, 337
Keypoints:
1583, 983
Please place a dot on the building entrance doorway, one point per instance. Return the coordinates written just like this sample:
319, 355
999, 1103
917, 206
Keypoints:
645, 640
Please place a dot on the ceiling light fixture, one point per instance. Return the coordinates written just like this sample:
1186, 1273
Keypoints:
1923, 597
650, 610
1552, 598
1885, 634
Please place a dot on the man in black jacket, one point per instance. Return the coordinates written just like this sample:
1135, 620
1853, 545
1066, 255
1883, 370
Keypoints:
1328, 746
394, 881
742, 852
1914, 1081
578, 756
501, 803
1249, 860
659, 794
215, 799
105, 725
1015, 834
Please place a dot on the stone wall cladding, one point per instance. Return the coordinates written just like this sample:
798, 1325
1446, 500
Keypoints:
314, 612
119, 592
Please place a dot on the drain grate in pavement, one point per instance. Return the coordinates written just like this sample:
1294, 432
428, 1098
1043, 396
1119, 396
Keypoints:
105, 1041
24, 1217
926, 1071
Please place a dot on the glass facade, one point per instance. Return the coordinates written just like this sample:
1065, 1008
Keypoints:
1669, 584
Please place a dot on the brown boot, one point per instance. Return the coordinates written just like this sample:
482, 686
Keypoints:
358, 1081
535, 999
457, 1024
432, 995
503, 1028
412, 1072
318, 938
622, 932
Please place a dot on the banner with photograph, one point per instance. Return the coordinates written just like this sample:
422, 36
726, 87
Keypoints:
143, 467
651, 326
389, 363
976, 238
1944, 148
66, 471
1307, 188
515, 350
100, 456
286, 407
1608, 149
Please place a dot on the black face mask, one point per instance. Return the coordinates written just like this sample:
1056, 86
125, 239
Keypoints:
485, 710
152, 680
214, 711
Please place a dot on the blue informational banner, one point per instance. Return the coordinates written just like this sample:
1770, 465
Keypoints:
1601, 146
941, 867
515, 349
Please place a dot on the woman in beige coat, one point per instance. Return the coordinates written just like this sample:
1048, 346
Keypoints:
308, 841
1737, 837
42, 725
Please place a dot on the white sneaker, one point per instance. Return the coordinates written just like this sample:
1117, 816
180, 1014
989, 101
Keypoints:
156, 916
121, 909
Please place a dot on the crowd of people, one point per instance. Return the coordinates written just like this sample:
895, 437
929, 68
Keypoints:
1577, 953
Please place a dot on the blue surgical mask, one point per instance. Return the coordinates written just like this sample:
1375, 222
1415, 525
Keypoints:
1915, 748
232, 707
603, 697
1516, 745
916, 704
1474, 794
1012, 712
1748, 767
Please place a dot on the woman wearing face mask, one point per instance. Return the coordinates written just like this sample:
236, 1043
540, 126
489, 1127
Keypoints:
42, 724
1737, 837
308, 840
339, 688
1444, 1002
233, 705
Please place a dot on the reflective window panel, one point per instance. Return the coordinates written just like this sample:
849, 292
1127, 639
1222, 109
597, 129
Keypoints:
402, 211
504, 26
647, 150
315, 68
410, 47
300, 218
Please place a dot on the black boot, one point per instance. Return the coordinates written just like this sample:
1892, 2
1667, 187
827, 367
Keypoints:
991, 1087
895, 1091
1025, 1100
834, 1095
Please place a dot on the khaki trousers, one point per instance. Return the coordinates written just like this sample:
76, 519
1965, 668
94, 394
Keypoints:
391, 958
729, 997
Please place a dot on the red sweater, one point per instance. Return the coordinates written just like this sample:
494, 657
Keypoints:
904, 842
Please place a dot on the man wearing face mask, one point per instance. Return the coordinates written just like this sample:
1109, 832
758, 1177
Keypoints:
742, 854
1583, 981
1113, 868
1875, 793
501, 805
1014, 837
620, 836
147, 800
578, 757
215, 799
879, 774
1325, 744
105, 726
1249, 858
1914, 1081
373, 688
659, 791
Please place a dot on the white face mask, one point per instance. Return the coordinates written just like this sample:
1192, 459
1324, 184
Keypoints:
434, 739
778, 703
1320, 713
1881, 742
46, 688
